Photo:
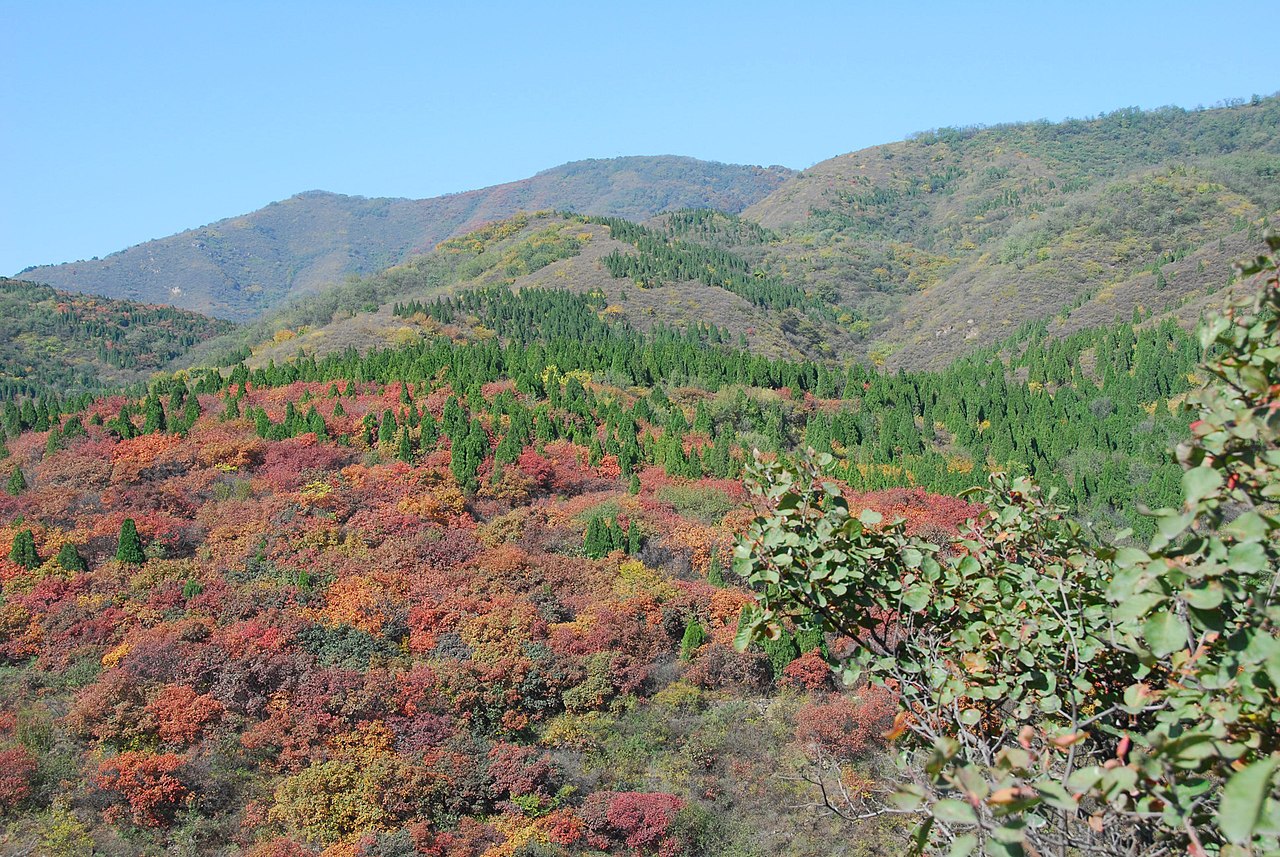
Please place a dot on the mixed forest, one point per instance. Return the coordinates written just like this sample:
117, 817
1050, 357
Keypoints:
539, 543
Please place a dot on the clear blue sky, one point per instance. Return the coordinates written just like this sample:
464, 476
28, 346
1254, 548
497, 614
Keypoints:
128, 121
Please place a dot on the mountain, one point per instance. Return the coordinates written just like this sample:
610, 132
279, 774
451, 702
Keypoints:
63, 341
907, 255
954, 238
240, 267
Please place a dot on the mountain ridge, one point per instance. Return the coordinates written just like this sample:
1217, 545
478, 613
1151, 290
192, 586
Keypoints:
240, 266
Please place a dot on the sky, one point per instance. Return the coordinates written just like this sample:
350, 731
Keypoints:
124, 122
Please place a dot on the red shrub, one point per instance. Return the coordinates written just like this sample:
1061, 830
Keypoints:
639, 820
846, 727
17, 765
181, 714
149, 785
807, 672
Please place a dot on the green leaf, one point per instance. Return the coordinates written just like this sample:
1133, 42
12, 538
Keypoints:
917, 597
954, 812
1200, 482
1243, 798
1165, 633
1249, 527
963, 845
870, 517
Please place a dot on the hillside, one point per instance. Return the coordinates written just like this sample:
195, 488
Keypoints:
240, 267
541, 250
954, 238
57, 340
469, 594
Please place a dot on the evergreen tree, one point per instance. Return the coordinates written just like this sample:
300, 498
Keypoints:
404, 451
635, 540
634, 487
715, 574
130, 548
54, 441
154, 419
17, 483
23, 551
387, 428
694, 636
69, 558
617, 538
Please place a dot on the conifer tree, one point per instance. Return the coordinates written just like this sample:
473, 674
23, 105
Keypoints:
617, 538
694, 636
404, 451
387, 428
54, 442
154, 420
23, 551
69, 558
635, 539
634, 487
17, 483
130, 547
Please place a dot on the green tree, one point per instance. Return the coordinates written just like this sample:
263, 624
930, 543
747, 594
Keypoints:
23, 551
69, 558
17, 482
130, 547
694, 636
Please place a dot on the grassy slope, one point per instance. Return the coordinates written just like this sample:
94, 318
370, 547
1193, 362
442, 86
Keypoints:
239, 267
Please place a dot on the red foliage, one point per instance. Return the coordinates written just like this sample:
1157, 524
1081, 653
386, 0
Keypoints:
846, 727
148, 784
720, 666
807, 672
17, 765
181, 714
639, 820
517, 770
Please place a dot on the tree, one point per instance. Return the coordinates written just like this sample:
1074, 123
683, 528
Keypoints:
1055, 695
130, 547
694, 636
69, 558
17, 483
23, 551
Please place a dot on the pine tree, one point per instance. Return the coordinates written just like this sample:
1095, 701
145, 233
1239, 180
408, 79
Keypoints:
387, 428
596, 542
617, 538
694, 636
130, 548
404, 451
635, 540
23, 551
634, 487
17, 483
69, 558
715, 574
54, 442
154, 420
